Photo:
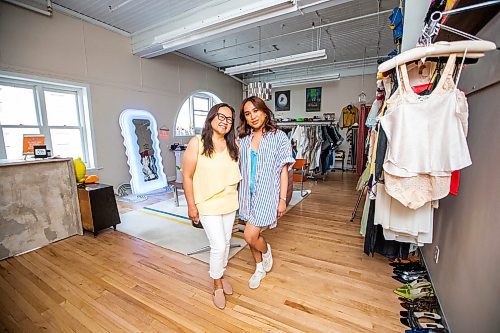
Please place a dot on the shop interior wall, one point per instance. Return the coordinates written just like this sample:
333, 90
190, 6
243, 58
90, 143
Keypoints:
66, 48
466, 227
335, 96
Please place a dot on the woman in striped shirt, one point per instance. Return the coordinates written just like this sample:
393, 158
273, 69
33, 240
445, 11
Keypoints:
265, 155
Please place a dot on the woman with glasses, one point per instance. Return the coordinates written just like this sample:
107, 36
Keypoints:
265, 156
210, 180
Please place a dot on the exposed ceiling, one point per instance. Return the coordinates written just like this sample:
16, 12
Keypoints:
357, 32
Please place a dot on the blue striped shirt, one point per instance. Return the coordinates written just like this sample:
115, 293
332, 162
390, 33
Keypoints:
274, 152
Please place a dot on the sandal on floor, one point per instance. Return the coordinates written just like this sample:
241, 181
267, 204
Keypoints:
415, 293
407, 279
410, 272
420, 283
426, 300
431, 326
420, 314
403, 261
411, 264
416, 324
226, 286
219, 298
418, 307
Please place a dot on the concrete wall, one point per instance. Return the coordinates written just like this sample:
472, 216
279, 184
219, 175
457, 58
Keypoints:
38, 205
466, 227
65, 48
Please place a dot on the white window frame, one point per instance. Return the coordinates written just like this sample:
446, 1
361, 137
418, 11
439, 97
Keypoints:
39, 85
212, 100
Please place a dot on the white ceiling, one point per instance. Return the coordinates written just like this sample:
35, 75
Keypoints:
352, 45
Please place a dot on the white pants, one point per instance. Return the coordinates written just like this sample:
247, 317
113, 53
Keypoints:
218, 229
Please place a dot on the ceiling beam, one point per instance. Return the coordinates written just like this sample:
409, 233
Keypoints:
305, 78
217, 19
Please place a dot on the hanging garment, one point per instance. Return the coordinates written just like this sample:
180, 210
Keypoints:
415, 192
362, 132
318, 148
349, 115
363, 179
334, 133
364, 217
352, 138
375, 241
401, 223
426, 134
300, 137
371, 119
421, 75
312, 148
396, 24
380, 152
455, 182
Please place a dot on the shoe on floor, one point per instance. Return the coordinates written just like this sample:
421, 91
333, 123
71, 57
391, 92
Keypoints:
226, 286
254, 281
219, 298
267, 259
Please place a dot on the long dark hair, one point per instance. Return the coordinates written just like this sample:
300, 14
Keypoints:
270, 124
230, 137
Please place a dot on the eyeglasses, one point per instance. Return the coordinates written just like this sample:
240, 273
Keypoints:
222, 117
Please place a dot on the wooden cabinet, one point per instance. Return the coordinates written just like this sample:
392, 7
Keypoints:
98, 207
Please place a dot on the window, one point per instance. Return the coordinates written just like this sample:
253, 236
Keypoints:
58, 111
193, 113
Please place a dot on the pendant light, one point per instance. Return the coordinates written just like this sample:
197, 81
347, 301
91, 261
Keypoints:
260, 88
362, 96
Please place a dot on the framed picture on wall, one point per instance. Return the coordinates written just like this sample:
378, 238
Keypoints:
282, 100
313, 99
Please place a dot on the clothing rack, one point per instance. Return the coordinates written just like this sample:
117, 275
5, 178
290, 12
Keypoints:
307, 123
315, 126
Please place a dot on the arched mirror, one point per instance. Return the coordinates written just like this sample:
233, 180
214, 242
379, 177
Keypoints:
140, 137
194, 110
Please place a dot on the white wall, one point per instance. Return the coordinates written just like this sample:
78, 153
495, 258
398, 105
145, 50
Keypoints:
66, 48
334, 96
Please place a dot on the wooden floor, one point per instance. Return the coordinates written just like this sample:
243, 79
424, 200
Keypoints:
321, 281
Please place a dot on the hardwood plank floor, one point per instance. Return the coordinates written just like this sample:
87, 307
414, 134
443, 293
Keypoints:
321, 280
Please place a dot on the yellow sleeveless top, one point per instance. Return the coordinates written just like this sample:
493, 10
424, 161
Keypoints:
215, 182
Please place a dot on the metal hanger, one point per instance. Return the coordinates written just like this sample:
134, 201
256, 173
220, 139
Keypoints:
475, 46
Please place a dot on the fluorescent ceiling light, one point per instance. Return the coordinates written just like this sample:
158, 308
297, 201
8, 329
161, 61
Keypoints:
277, 62
304, 80
253, 13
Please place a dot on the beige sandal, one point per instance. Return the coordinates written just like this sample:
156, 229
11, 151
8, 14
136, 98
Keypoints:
219, 298
226, 286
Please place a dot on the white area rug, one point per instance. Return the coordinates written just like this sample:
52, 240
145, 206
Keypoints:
297, 197
168, 226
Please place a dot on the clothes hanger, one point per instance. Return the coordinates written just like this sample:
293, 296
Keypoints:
475, 47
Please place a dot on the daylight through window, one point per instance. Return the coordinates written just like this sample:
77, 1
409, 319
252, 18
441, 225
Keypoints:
58, 111
193, 113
